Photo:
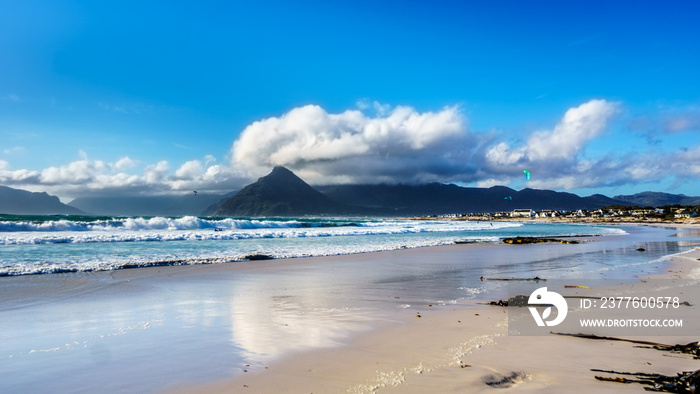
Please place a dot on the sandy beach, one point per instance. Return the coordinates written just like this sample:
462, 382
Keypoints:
466, 347
349, 197
409, 320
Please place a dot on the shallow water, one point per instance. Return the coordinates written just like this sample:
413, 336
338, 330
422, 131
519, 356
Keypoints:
154, 328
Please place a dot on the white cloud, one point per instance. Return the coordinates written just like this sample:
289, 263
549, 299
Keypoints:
88, 177
553, 156
378, 108
362, 104
502, 154
190, 169
486, 183
10, 177
640, 171
156, 173
124, 163
579, 125
215, 178
563, 143
77, 172
209, 160
403, 143
686, 163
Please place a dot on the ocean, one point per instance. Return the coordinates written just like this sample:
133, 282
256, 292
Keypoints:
59, 244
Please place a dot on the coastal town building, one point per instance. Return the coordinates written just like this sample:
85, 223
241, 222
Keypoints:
684, 214
546, 214
520, 213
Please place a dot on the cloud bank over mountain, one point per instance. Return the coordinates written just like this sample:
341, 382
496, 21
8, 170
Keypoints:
392, 145
402, 145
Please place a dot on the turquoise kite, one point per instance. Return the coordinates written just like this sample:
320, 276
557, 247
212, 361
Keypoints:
527, 174
508, 198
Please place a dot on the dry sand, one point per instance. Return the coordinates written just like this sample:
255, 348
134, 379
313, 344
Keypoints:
466, 348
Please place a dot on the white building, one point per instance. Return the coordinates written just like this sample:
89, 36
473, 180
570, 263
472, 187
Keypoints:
547, 214
522, 213
684, 214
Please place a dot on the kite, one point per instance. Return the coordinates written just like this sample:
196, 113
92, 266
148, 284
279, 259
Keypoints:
527, 174
195, 193
508, 198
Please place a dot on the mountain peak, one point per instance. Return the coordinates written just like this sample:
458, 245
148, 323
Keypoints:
280, 193
280, 173
279, 170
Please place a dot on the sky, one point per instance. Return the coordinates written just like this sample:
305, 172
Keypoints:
142, 98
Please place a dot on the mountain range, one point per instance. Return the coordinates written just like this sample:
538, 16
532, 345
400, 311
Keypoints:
657, 199
438, 198
282, 193
186, 204
22, 202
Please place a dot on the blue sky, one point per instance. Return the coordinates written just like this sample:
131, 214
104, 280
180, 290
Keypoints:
165, 97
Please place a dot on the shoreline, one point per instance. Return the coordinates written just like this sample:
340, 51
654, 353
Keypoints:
693, 222
466, 347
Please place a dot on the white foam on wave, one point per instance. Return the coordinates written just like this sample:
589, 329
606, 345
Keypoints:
196, 223
614, 231
195, 229
145, 224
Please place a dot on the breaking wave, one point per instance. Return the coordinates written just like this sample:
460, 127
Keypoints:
190, 228
161, 223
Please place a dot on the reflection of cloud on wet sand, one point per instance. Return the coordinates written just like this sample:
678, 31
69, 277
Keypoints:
264, 325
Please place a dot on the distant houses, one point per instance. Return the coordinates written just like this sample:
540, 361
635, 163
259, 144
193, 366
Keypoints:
685, 214
547, 214
612, 214
522, 213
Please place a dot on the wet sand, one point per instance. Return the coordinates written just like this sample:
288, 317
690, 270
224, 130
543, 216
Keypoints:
467, 348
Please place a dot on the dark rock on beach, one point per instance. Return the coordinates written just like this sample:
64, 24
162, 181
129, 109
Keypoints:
519, 300
253, 257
